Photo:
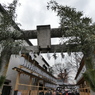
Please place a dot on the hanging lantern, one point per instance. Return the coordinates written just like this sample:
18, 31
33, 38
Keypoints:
31, 53
62, 55
48, 56
55, 56
20, 53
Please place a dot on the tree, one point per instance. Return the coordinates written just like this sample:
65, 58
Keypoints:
75, 59
63, 71
81, 31
7, 31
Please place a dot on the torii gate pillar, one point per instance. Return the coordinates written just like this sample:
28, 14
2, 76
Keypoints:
44, 37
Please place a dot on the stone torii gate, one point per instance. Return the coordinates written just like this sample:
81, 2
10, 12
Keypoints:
43, 34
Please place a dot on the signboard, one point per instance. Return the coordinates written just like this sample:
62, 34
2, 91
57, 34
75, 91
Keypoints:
43, 36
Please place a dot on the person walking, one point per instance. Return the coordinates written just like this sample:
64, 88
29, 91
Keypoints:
54, 92
66, 93
47, 93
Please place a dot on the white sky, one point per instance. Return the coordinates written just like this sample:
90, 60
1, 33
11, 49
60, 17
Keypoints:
34, 12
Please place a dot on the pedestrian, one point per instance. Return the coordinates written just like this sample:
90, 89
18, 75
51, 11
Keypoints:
47, 93
76, 93
66, 93
54, 92
50, 92
41, 93
57, 93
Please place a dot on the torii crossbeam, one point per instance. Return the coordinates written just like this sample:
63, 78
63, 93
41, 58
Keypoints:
49, 47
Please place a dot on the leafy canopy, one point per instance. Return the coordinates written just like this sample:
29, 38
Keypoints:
80, 29
8, 28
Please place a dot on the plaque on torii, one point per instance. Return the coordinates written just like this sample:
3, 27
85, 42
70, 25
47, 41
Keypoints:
44, 37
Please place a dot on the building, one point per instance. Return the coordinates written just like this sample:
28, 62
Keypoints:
84, 88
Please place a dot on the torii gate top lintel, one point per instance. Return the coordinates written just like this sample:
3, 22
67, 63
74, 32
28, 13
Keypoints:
44, 41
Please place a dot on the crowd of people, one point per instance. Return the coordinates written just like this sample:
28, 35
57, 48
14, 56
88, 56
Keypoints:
55, 92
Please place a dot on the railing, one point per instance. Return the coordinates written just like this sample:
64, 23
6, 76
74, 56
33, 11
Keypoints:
34, 90
31, 92
85, 91
28, 92
25, 92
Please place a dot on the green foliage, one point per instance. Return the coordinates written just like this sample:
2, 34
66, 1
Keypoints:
89, 76
89, 63
2, 79
0, 62
8, 28
78, 28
